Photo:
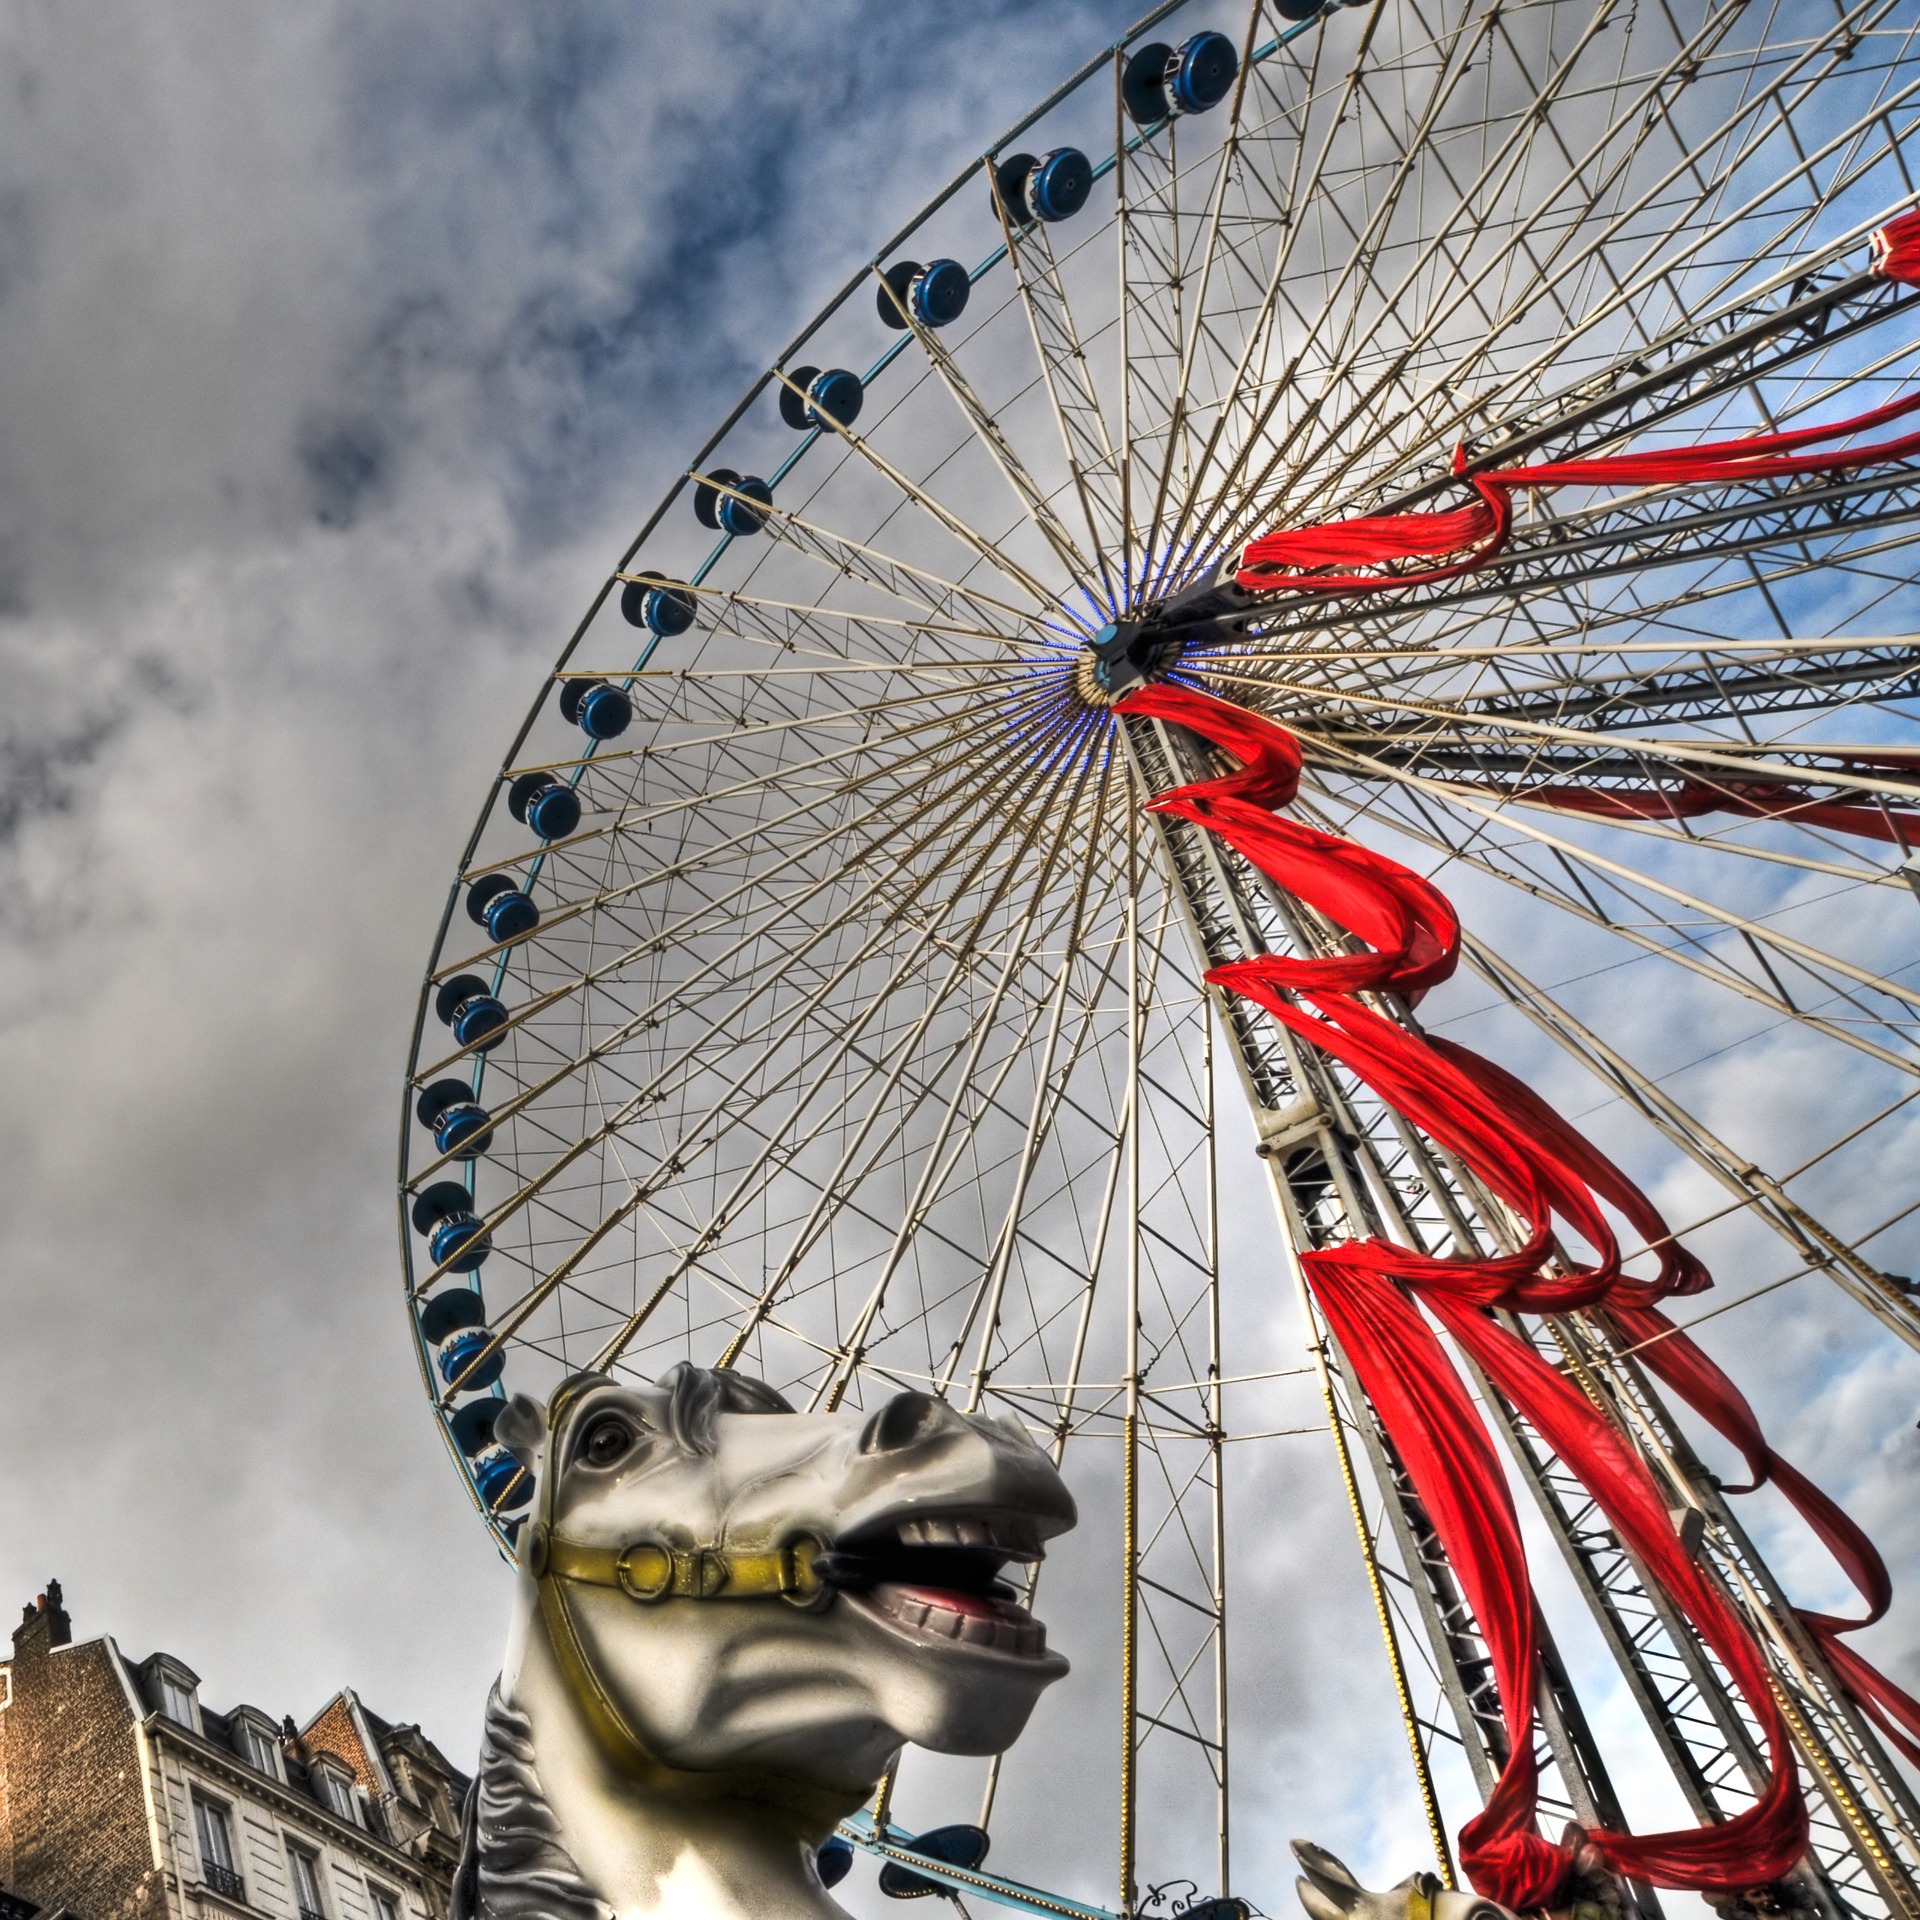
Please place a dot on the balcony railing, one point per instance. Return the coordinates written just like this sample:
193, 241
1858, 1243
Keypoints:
224, 1880
307, 1913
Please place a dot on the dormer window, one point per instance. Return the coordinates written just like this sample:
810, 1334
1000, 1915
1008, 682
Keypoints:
335, 1791
175, 1690
258, 1744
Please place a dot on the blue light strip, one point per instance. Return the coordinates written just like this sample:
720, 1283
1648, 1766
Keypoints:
891, 1844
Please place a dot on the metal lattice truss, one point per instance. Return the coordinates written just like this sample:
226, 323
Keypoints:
863, 1042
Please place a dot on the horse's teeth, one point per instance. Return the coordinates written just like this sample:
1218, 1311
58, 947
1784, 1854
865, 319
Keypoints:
913, 1533
940, 1533
980, 1633
973, 1533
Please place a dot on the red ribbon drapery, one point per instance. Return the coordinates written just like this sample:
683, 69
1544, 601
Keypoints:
1754, 799
1297, 560
1545, 1170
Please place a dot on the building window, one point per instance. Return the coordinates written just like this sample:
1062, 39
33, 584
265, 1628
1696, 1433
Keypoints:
216, 1849
6, 1696
261, 1748
386, 1906
306, 1883
335, 1792
176, 1701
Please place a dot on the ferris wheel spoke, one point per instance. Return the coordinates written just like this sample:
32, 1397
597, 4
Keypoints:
1191, 331
885, 811
782, 1027
940, 1162
1346, 330
901, 864
916, 585
1067, 374
1251, 398
1753, 1188
1051, 1097
1033, 499
1483, 410
882, 822
1354, 277
790, 626
1682, 948
1016, 957
1824, 967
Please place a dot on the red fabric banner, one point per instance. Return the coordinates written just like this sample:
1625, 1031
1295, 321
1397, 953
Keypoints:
1546, 1171
1296, 560
1753, 799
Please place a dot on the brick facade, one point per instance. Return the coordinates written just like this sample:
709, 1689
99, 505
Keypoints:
74, 1831
104, 1767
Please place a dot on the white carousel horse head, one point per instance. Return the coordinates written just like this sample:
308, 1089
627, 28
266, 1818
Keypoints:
729, 1618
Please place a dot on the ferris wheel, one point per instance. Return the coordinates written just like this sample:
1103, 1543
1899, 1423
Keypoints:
816, 995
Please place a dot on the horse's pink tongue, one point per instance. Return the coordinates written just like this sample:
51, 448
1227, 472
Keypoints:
976, 1606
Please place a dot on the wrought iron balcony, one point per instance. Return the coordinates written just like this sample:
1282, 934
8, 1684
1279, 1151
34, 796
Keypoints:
223, 1880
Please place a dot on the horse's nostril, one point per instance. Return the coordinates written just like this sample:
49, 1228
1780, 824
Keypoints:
905, 1419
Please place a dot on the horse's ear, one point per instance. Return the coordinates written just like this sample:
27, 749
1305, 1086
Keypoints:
522, 1430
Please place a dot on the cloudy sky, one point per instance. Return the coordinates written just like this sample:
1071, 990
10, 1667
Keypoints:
340, 346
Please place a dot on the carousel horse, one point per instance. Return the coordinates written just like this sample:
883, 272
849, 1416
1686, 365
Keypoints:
729, 1617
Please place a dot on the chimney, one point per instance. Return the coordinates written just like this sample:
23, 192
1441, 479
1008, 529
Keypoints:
44, 1623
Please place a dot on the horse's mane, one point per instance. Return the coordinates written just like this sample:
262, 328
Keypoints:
512, 1863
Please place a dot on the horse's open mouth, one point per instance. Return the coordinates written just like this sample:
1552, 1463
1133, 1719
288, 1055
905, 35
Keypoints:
939, 1577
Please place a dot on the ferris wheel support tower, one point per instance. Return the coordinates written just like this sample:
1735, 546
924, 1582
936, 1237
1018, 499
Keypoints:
1342, 1166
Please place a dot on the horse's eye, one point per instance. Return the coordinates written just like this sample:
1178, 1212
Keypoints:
606, 1440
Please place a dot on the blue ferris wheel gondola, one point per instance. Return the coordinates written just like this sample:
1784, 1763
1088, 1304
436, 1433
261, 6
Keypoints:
503, 1482
452, 1310
456, 1235
600, 711
1159, 81
1203, 72
473, 1423
468, 1005
496, 903
740, 510
458, 1123
833, 395
547, 805
1058, 187
660, 605
461, 1366
935, 295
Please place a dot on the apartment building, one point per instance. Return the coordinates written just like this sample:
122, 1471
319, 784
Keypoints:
125, 1796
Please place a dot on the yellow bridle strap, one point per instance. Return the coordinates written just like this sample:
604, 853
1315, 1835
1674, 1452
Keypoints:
813, 1809
649, 1570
